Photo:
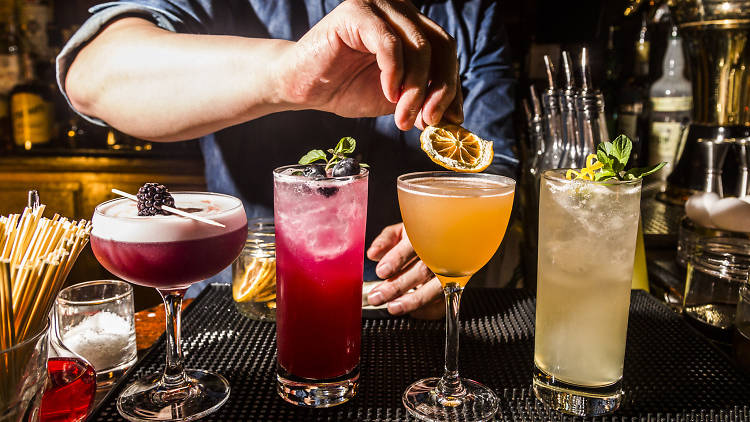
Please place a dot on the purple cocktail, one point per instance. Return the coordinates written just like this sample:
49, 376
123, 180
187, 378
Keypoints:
169, 253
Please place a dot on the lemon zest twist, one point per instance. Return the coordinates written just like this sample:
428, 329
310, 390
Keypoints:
586, 173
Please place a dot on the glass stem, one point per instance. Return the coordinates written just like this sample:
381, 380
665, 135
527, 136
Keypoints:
450, 384
174, 372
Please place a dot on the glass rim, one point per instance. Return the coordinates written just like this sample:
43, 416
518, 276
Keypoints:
403, 181
559, 175
277, 174
63, 301
43, 330
98, 211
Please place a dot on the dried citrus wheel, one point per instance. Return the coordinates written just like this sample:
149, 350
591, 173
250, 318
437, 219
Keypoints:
455, 148
256, 282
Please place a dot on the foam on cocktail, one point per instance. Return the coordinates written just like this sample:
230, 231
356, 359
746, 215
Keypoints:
119, 220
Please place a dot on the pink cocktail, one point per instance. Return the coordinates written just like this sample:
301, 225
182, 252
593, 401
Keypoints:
169, 253
320, 235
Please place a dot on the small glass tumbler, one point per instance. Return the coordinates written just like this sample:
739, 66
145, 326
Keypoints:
715, 273
23, 375
741, 341
254, 272
95, 320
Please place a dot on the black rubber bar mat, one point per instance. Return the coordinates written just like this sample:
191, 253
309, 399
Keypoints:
671, 373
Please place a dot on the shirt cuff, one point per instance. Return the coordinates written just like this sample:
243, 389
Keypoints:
103, 14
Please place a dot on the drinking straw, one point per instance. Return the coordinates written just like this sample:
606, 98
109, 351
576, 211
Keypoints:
36, 256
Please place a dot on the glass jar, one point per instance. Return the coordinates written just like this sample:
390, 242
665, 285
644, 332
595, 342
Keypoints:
716, 271
254, 272
741, 341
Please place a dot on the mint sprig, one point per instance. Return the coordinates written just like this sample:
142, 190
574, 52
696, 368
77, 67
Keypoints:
614, 157
345, 146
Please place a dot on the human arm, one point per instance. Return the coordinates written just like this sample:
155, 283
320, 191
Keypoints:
365, 58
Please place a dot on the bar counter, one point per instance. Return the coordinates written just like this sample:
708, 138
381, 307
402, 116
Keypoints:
672, 373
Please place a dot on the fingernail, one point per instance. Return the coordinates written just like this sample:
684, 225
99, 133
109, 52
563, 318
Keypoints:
435, 117
396, 308
383, 270
375, 299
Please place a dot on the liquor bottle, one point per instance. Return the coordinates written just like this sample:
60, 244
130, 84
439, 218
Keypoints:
632, 118
10, 67
31, 109
671, 101
612, 71
35, 18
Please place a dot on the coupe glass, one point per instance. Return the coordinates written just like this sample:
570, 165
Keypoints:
169, 253
455, 222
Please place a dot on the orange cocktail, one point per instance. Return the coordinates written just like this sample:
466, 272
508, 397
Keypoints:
455, 222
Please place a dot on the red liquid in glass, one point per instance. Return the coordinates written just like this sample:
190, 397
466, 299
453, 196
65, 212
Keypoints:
169, 265
70, 390
319, 325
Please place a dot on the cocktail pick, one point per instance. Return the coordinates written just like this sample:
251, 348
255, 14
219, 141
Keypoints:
173, 210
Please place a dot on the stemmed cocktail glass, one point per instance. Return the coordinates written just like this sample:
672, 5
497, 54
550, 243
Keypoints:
455, 222
169, 253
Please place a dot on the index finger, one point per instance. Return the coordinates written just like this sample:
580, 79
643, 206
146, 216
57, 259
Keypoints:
443, 85
386, 240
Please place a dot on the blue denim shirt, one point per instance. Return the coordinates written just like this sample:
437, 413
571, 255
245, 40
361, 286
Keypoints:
239, 160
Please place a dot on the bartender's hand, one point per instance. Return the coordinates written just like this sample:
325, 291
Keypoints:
366, 58
376, 57
402, 270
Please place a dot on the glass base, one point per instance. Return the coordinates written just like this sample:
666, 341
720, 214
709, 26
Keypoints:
575, 399
259, 311
106, 378
307, 392
148, 400
423, 401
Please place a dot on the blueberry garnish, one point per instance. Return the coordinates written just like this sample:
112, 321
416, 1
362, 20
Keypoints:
151, 197
314, 170
346, 167
328, 191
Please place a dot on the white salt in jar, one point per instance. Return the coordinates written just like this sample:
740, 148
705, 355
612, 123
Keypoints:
96, 321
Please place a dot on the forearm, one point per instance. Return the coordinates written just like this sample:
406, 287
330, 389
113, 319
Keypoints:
163, 86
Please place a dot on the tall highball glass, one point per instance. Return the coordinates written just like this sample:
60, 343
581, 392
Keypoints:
587, 240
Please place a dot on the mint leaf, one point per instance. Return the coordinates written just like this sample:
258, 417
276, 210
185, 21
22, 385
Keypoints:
312, 157
346, 145
639, 172
602, 157
621, 149
614, 156
604, 174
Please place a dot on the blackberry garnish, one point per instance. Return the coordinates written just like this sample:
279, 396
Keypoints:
328, 191
346, 167
315, 171
151, 197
